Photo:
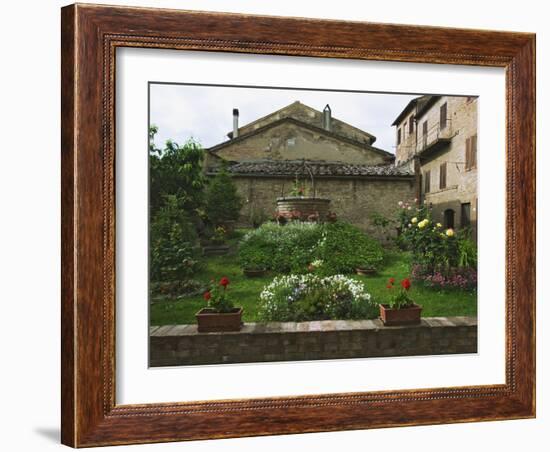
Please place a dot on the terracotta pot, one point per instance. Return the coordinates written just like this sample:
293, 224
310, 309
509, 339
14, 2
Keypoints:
209, 320
365, 271
252, 273
403, 316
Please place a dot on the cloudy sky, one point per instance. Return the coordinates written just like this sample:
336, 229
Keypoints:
205, 112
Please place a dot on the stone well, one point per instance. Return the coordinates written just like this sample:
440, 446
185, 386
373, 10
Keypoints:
306, 206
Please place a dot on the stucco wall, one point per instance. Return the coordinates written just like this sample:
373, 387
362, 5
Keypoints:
311, 116
289, 141
353, 200
461, 184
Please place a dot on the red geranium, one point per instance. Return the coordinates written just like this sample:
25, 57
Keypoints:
406, 284
389, 286
224, 281
207, 295
391, 280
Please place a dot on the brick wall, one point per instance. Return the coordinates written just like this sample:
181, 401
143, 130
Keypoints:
175, 345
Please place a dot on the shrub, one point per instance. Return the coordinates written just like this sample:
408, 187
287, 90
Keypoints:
344, 247
282, 249
337, 247
173, 244
223, 203
310, 297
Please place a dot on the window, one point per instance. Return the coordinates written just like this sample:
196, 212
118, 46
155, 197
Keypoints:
465, 217
443, 176
471, 152
449, 218
425, 134
427, 182
399, 136
411, 125
443, 116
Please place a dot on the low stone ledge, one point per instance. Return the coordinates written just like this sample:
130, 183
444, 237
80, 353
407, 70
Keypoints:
175, 345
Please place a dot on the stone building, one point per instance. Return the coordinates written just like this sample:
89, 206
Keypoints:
437, 137
332, 158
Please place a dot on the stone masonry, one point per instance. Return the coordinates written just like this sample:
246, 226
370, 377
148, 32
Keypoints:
176, 345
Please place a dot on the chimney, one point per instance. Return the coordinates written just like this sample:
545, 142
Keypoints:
327, 118
235, 122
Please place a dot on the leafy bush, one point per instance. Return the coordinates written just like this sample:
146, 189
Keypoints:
337, 248
283, 249
310, 297
173, 244
433, 247
223, 203
344, 247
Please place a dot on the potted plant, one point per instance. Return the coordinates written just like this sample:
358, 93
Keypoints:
401, 309
365, 270
220, 314
253, 265
216, 244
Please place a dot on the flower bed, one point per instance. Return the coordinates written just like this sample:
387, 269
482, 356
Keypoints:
453, 278
311, 297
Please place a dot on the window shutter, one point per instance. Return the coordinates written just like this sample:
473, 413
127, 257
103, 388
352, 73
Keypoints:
427, 182
443, 116
473, 151
468, 153
443, 175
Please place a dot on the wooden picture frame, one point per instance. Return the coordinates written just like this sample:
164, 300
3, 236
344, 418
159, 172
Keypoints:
90, 36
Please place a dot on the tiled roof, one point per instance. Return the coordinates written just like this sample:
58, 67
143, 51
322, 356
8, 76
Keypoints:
317, 168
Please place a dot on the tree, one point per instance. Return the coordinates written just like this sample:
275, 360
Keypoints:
173, 242
175, 170
223, 203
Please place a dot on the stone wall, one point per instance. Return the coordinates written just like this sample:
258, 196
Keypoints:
353, 200
175, 345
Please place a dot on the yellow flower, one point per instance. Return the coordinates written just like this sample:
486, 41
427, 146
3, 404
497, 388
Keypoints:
423, 223
414, 220
449, 232
439, 225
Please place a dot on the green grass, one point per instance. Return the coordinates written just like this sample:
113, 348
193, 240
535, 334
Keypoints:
246, 292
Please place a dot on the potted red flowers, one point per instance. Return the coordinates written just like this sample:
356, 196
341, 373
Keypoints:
401, 309
220, 314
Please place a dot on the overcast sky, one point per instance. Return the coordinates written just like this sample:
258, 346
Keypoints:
205, 112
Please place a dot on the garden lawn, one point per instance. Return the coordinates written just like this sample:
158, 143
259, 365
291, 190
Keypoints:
246, 292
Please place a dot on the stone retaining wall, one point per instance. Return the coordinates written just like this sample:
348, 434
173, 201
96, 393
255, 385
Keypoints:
175, 345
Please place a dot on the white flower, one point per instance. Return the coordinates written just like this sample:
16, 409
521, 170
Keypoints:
400, 203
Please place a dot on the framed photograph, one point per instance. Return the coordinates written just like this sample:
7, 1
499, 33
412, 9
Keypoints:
282, 225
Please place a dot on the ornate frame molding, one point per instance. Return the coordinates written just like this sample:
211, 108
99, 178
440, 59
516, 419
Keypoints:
90, 37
